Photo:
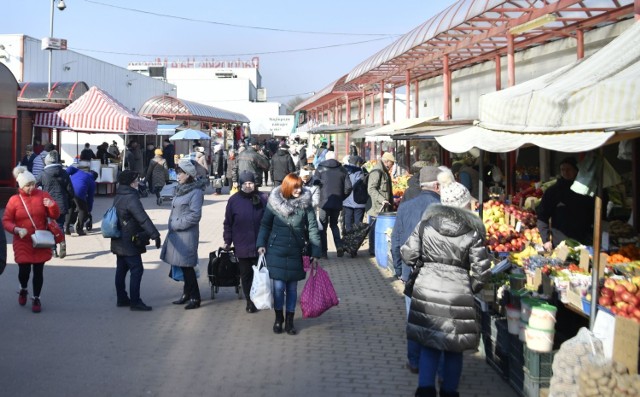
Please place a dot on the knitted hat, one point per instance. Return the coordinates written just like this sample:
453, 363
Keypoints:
188, 167
127, 177
388, 156
200, 149
330, 155
428, 174
454, 194
23, 176
246, 176
158, 152
52, 157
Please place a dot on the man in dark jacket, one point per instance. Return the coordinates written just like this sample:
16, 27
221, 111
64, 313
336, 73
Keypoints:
252, 161
55, 181
569, 213
281, 164
414, 188
335, 186
87, 154
168, 152
136, 230
84, 187
407, 218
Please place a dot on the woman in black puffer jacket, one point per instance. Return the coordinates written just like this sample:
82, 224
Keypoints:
449, 258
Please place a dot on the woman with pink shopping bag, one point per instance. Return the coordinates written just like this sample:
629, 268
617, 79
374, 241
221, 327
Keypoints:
288, 218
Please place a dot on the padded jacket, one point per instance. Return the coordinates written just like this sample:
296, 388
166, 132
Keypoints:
55, 181
132, 220
452, 265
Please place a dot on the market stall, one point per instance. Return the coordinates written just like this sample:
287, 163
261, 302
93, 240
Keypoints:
576, 109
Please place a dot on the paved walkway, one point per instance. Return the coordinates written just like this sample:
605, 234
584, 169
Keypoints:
83, 345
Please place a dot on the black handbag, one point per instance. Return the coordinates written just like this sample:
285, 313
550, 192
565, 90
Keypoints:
408, 286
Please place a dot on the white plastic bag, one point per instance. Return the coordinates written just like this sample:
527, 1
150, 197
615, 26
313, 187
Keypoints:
260, 293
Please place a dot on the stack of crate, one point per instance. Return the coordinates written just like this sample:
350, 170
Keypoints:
537, 371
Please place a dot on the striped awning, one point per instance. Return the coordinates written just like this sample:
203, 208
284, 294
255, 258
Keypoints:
572, 109
97, 111
165, 106
50, 120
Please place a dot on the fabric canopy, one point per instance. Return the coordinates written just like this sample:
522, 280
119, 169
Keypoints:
167, 129
97, 111
575, 108
400, 126
189, 134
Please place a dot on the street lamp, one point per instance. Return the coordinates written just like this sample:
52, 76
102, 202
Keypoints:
61, 6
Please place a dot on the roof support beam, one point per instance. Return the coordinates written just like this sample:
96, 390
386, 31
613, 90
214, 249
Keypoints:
580, 44
511, 62
446, 82
498, 73
382, 102
408, 99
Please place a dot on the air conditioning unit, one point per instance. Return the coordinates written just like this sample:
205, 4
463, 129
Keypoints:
262, 95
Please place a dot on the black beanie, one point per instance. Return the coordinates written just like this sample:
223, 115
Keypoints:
246, 176
127, 177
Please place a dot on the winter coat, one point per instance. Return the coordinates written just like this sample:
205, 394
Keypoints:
250, 160
335, 184
217, 163
84, 186
37, 165
157, 173
283, 227
355, 173
281, 165
315, 192
55, 181
180, 247
452, 265
201, 159
132, 221
242, 222
168, 153
231, 165
470, 178
136, 160
87, 155
104, 155
302, 158
408, 216
15, 215
571, 214
379, 188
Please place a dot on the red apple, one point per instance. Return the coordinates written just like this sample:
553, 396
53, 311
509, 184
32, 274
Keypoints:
636, 313
619, 289
605, 301
608, 292
610, 283
625, 297
634, 301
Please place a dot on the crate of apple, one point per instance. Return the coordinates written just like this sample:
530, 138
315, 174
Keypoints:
622, 297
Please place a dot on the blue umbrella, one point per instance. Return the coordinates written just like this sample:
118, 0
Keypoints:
189, 134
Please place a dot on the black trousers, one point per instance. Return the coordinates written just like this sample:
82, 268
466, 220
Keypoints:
24, 271
191, 288
245, 265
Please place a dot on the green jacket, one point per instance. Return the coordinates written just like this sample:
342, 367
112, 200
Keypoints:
379, 188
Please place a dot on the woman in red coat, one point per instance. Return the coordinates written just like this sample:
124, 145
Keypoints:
16, 221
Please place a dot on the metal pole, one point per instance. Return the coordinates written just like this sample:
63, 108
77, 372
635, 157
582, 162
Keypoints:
50, 50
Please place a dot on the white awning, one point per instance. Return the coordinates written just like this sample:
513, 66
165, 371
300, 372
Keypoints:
575, 108
400, 126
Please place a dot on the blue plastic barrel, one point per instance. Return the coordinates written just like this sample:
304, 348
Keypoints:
385, 221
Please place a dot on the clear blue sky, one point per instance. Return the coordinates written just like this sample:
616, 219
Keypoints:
99, 29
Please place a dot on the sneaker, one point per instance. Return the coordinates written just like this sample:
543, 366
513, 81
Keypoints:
22, 296
36, 307
63, 250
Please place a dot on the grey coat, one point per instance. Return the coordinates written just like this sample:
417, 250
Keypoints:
380, 189
453, 265
180, 247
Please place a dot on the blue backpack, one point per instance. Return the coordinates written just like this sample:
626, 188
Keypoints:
110, 228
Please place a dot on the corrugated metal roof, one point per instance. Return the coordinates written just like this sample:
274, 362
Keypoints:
168, 106
336, 89
473, 31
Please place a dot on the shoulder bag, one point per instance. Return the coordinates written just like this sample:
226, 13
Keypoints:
408, 287
40, 238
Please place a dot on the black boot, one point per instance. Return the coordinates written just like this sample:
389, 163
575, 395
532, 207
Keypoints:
182, 300
251, 308
277, 325
193, 304
426, 392
288, 324
449, 394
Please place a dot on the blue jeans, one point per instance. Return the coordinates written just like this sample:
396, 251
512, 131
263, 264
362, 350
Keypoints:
125, 264
330, 217
282, 288
352, 217
413, 347
450, 373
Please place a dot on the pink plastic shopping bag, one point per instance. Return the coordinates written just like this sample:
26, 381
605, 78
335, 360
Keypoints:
318, 294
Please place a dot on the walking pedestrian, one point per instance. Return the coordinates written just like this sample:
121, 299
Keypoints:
408, 217
288, 221
27, 160
232, 159
26, 212
136, 230
352, 212
447, 250
157, 174
168, 152
218, 165
281, 164
335, 186
38, 161
380, 192
250, 160
241, 225
55, 181
84, 187
181, 244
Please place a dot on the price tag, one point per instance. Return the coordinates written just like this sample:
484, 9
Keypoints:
625, 343
604, 259
584, 260
512, 220
537, 279
562, 252
518, 226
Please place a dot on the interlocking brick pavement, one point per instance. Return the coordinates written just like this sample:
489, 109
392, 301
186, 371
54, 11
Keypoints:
83, 345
